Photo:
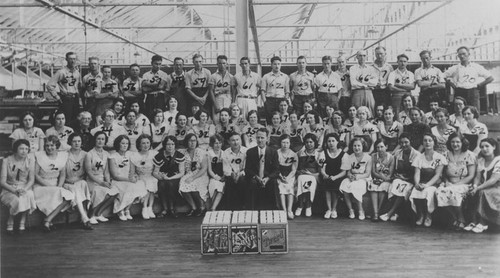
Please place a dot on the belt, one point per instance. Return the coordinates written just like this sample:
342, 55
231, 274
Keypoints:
249, 97
155, 93
303, 96
218, 94
69, 95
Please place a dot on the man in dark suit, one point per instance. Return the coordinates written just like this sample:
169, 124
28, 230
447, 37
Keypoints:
261, 172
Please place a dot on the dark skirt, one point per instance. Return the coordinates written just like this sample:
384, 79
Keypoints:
329, 185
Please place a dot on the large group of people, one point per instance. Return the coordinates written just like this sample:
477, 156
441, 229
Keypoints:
199, 135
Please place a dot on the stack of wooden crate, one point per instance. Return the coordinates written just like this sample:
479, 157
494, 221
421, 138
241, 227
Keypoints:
215, 237
244, 232
273, 232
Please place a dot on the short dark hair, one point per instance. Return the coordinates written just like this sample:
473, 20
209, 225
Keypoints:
404, 135
315, 114
340, 114
492, 142
463, 47
118, 140
275, 58
378, 141
18, 143
363, 143
178, 59
225, 109
414, 102
106, 67
442, 110
213, 138
223, 57
424, 52
52, 139
465, 142
461, 99
301, 57
198, 113
313, 137
134, 65
100, 132
331, 135
284, 136
197, 55
171, 138
252, 112
472, 109
188, 137
432, 136
27, 113
326, 57
245, 58
156, 58
73, 135
263, 129
139, 139
178, 115
402, 56
118, 100
69, 54
54, 116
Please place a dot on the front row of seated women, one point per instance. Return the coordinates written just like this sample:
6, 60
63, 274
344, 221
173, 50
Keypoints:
54, 181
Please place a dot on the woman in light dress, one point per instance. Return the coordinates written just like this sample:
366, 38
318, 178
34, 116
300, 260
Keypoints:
27, 130
60, 129
288, 162
217, 180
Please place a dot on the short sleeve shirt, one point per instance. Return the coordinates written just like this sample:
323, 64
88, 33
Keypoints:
383, 74
156, 77
437, 160
276, 85
247, 85
432, 74
132, 86
302, 83
346, 82
328, 83
221, 83
467, 77
197, 79
91, 84
351, 163
399, 77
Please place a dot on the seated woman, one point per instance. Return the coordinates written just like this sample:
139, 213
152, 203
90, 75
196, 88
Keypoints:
284, 116
416, 129
27, 130
215, 172
224, 128
83, 126
335, 126
17, 179
308, 106
428, 171
358, 166
296, 133
118, 108
457, 179
250, 130
442, 130
129, 190
110, 128
236, 117
203, 129
142, 166
170, 115
486, 187
141, 119
60, 130
407, 102
352, 117
276, 130
286, 180
180, 131
364, 128
194, 184
169, 167
472, 129
457, 118
75, 178
50, 196
158, 129
402, 183
389, 129
314, 126
382, 169
102, 192
307, 174
331, 173
133, 128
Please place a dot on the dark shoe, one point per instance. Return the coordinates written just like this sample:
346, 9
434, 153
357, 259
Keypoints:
87, 226
191, 213
46, 227
201, 212
174, 214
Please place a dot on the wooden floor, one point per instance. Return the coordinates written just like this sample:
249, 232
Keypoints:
318, 248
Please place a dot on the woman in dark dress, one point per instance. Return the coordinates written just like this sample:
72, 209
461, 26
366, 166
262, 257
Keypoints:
417, 129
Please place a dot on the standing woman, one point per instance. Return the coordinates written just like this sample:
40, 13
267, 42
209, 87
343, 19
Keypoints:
382, 169
203, 129
103, 194
169, 167
331, 173
296, 133
158, 129
417, 128
170, 115
458, 178
428, 171
457, 119
307, 174
17, 179
389, 129
487, 187
75, 178
180, 130
250, 130
276, 130
314, 126
404, 172
407, 102
215, 171
130, 191
473, 130
359, 167
194, 184
142, 166
364, 128
50, 196
28, 131
60, 130
286, 180
133, 128
442, 130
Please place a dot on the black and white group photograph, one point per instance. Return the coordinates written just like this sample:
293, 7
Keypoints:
249, 138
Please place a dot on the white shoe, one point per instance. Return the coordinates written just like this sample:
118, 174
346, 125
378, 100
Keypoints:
328, 214
127, 214
151, 213
428, 221
101, 218
394, 217
145, 213
334, 214
419, 221
469, 227
308, 212
351, 214
93, 221
480, 228
361, 215
290, 215
298, 211
384, 217
121, 216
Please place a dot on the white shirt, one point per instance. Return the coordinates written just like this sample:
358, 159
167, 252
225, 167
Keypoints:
467, 77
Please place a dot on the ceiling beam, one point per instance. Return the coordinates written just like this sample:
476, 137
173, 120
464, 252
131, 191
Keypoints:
345, 2
121, 4
253, 27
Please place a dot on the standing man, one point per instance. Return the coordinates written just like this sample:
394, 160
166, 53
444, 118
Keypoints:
431, 82
154, 86
464, 77
233, 167
328, 86
247, 88
274, 88
177, 83
363, 79
132, 87
261, 172
108, 92
381, 94
221, 85
301, 83
400, 82
197, 85
64, 87
91, 84
345, 96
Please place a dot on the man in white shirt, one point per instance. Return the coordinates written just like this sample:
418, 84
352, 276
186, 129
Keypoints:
197, 85
431, 82
275, 87
400, 82
301, 84
221, 85
177, 81
154, 86
233, 166
328, 87
247, 88
132, 87
91, 84
381, 94
345, 96
363, 79
464, 78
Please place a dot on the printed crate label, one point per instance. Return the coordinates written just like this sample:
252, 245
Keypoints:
273, 240
244, 239
215, 240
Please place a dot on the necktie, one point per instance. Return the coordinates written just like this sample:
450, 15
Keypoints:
261, 166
